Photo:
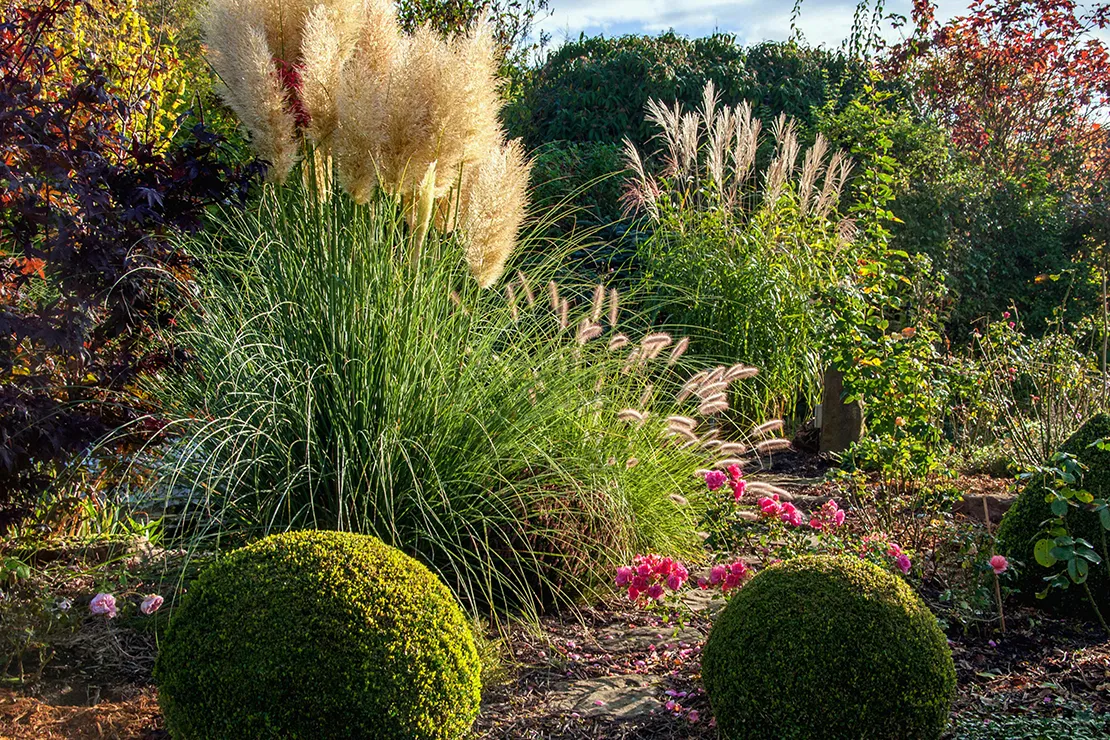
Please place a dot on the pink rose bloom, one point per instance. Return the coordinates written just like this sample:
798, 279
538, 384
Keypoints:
640, 582
693, 716
1005, 314
103, 604
734, 472
633, 593
674, 581
644, 570
791, 515
714, 479
839, 517
624, 575
738, 569
738, 488
770, 506
894, 550
903, 563
999, 564
655, 591
717, 574
151, 604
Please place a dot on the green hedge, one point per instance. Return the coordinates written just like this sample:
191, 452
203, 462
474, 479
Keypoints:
595, 89
823, 647
318, 635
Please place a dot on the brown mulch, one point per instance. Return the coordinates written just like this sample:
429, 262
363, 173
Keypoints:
28, 718
1038, 664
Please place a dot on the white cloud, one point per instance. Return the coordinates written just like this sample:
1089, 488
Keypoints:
822, 22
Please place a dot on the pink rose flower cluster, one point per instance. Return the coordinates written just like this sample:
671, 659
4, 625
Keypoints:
828, 517
105, 604
648, 574
877, 543
726, 577
772, 508
714, 479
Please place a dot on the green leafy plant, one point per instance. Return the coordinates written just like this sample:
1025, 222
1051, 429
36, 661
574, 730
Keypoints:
318, 634
1057, 544
1058, 522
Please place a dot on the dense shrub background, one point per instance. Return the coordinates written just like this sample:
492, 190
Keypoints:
595, 89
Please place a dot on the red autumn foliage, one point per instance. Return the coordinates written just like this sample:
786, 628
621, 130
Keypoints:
1021, 84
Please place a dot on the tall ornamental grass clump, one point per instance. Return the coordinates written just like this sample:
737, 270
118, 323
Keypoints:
739, 251
354, 367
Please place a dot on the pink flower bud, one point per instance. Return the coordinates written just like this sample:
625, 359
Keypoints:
151, 604
624, 575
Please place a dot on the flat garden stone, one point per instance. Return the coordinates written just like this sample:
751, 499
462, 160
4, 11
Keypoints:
640, 639
616, 697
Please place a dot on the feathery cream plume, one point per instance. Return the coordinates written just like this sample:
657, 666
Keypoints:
250, 84
492, 206
362, 100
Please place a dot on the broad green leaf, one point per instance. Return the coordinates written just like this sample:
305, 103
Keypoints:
1042, 551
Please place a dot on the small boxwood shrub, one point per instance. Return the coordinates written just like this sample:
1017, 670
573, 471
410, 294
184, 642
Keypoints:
318, 635
828, 647
1021, 526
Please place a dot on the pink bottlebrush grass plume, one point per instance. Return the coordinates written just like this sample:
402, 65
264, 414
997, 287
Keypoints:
739, 372
768, 446
631, 415
645, 397
526, 287
711, 390
767, 427
683, 432
733, 448
564, 314
711, 408
682, 421
727, 463
553, 294
588, 331
709, 436
614, 307
679, 350
618, 341
597, 304
760, 488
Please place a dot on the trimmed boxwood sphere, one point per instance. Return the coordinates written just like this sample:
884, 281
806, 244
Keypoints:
1021, 526
318, 635
828, 647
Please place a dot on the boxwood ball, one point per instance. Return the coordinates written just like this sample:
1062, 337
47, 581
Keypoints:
831, 648
318, 635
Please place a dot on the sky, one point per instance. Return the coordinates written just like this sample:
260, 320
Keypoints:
822, 22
